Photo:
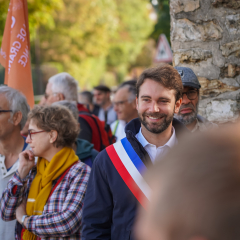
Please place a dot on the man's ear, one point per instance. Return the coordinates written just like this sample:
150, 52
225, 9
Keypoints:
178, 105
17, 117
53, 136
61, 96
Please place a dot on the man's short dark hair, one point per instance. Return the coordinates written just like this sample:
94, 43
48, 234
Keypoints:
102, 88
88, 95
164, 74
131, 82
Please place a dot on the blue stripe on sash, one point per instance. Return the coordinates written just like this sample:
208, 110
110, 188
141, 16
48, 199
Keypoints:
133, 156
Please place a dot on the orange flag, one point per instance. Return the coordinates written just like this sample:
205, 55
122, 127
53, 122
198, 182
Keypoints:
15, 50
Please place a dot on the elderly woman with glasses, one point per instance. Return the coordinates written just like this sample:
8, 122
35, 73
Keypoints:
47, 198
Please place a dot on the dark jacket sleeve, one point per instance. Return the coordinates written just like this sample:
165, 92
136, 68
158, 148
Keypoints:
98, 204
85, 130
94, 154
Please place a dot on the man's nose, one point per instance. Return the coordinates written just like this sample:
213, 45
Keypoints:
185, 99
115, 107
155, 107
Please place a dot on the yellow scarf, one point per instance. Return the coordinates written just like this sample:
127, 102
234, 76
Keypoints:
42, 183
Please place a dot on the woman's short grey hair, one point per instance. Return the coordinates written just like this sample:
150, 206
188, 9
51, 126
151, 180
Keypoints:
71, 105
64, 83
17, 103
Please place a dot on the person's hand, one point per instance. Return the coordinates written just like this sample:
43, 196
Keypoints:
26, 162
21, 210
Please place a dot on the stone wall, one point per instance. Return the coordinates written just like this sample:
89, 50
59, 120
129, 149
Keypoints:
205, 36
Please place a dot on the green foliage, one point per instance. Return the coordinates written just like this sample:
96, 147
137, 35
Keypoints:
133, 30
89, 39
80, 40
40, 13
163, 21
3, 16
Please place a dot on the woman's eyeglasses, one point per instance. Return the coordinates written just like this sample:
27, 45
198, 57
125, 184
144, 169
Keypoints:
31, 133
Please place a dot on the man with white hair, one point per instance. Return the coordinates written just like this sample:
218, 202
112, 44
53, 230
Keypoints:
63, 86
13, 116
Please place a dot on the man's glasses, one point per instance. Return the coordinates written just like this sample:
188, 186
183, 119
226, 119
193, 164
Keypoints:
119, 103
48, 95
191, 95
1, 111
31, 133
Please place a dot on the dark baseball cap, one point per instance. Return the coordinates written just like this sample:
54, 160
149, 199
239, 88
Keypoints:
189, 78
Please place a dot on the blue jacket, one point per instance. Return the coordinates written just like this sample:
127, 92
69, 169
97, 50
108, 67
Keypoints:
109, 206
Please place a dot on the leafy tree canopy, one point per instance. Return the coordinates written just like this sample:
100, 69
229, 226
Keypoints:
87, 38
163, 22
40, 14
92, 37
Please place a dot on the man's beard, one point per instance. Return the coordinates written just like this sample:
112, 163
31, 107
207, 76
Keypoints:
156, 127
187, 118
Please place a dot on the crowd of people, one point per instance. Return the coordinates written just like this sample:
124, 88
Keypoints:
139, 163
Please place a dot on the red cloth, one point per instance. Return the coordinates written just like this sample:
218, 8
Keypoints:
14, 190
81, 108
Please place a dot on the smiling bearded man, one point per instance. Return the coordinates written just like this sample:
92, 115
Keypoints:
156, 127
116, 186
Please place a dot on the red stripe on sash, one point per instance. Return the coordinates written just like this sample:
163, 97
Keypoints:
133, 187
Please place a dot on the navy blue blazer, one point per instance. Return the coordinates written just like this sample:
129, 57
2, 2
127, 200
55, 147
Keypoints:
109, 206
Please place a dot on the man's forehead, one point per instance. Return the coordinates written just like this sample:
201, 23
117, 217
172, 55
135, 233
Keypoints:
3, 102
154, 88
49, 88
97, 92
121, 94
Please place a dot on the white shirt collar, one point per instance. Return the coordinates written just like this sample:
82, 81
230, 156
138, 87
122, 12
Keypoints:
170, 143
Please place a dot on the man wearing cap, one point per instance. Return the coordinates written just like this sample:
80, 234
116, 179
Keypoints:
188, 112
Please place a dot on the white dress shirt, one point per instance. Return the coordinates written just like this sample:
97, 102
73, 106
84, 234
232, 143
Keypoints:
111, 115
152, 150
120, 131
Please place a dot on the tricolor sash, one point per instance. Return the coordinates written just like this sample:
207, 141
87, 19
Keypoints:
131, 168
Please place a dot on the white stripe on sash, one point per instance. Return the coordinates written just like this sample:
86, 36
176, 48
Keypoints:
132, 170
31, 200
